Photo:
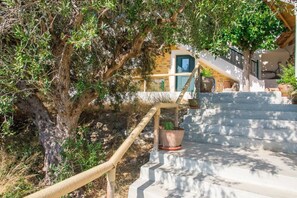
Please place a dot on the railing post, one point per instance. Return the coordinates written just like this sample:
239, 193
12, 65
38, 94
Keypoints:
176, 117
110, 177
198, 82
144, 86
156, 128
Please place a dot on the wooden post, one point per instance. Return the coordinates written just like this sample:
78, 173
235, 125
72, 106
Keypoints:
156, 128
144, 86
110, 177
176, 117
199, 79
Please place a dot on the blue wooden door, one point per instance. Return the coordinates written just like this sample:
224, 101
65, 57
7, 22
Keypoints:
184, 64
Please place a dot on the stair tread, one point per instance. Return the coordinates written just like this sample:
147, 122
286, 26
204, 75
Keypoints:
252, 122
247, 114
273, 135
275, 163
218, 110
210, 126
256, 107
151, 189
209, 187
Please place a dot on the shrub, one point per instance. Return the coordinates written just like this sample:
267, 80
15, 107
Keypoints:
288, 76
206, 72
168, 125
78, 155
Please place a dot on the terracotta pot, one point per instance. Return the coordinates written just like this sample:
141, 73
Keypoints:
171, 138
227, 84
194, 103
285, 89
294, 97
206, 84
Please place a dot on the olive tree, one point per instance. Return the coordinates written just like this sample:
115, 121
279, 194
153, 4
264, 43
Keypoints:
57, 56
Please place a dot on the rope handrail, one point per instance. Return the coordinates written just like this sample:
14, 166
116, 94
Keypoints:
109, 167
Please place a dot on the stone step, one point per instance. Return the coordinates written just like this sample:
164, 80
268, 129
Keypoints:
255, 106
243, 142
195, 181
258, 167
277, 135
238, 122
244, 98
276, 94
141, 189
149, 189
196, 115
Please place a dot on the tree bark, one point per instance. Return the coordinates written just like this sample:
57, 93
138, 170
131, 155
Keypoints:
48, 131
247, 70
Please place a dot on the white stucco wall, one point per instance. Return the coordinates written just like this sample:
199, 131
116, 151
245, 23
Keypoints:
230, 71
269, 60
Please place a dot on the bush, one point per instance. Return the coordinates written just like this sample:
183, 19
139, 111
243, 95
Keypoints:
16, 175
206, 72
78, 155
288, 76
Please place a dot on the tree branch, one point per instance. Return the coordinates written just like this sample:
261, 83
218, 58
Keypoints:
63, 77
133, 52
82, 102
138, 43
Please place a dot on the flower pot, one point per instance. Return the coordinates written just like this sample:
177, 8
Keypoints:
171, 139
294, 97
285, 89
206, 84
194, 103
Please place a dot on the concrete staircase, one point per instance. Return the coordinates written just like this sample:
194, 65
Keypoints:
248, 120
229, 150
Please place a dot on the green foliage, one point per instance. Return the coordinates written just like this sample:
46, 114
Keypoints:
78, 155
162, 85
205, 21
168, 125
6, 110
21, 188
256, 27
83, 37
206, 72
249, 25
20, 157
288, 76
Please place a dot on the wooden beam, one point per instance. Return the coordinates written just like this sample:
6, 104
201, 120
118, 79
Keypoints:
288, 40
280, 15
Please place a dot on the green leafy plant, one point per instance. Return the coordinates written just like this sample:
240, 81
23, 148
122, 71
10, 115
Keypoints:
206, 72
288, 76
168, 125
78, 155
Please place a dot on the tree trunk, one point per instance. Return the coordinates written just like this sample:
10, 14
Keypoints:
51, 134
247, 70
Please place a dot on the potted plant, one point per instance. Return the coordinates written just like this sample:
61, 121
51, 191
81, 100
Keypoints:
207, 81
287, 82
194, 102
171, 137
